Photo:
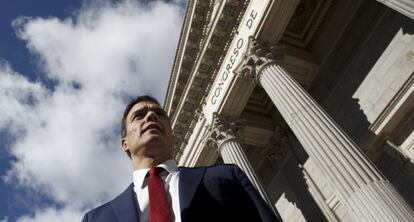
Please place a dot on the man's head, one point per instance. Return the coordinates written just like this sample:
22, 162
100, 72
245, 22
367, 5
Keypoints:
146, 130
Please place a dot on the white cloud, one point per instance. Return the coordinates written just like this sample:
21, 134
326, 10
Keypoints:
17, 95
67, 142
51, 214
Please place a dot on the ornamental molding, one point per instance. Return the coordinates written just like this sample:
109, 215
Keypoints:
204, 70
193, 33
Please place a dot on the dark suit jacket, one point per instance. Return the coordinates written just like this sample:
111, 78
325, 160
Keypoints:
216, 193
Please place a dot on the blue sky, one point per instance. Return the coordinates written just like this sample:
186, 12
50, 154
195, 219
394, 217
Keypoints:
66, 70
13, 49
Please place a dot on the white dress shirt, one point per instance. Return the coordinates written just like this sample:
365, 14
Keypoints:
170, 178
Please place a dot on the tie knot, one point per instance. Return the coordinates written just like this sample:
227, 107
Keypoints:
154, 171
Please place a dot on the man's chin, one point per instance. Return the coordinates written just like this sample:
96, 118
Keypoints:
152, 139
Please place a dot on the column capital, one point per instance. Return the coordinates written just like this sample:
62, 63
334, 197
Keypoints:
223, 129
257, 56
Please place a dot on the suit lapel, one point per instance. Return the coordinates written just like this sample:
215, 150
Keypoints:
190, 178
125, 207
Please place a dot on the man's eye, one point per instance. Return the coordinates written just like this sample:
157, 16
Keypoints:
140, 114
160, 112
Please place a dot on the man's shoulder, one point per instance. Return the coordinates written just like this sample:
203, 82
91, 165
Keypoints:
103, 207
102, 211
105, 212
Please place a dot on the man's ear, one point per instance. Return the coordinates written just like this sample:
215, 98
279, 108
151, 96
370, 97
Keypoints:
124, 144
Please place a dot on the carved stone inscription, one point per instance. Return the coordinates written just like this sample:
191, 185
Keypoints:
231, 62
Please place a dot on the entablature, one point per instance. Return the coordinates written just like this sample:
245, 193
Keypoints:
206, 65
193, 32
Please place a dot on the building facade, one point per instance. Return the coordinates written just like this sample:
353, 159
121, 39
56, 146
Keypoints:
313, 99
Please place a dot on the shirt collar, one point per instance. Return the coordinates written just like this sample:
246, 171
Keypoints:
139, 175
169, 165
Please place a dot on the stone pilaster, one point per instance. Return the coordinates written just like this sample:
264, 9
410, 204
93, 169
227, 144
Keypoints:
357, 182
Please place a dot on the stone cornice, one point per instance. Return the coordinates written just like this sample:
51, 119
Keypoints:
204, 71
194, 29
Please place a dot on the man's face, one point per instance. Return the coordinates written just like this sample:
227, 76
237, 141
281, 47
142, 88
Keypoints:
149, 132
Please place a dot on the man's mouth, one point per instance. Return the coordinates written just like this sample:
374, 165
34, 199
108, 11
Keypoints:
152, 126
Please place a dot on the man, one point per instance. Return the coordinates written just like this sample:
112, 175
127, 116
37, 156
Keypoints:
164, 192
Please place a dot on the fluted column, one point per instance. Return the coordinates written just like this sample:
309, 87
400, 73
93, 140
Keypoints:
224, 134
357, 182
405, 7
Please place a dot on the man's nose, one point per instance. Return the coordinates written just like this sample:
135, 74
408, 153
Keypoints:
151, 116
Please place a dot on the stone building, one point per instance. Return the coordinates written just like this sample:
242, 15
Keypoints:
313, 99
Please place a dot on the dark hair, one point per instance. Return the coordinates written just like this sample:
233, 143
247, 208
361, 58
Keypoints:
128, 108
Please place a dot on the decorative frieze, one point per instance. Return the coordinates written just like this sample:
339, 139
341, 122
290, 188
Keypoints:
188, 50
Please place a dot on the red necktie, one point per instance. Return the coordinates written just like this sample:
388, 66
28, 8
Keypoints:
159, 206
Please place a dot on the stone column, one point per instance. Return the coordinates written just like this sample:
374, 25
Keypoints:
405, 7
224, 133
357, 182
